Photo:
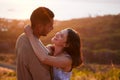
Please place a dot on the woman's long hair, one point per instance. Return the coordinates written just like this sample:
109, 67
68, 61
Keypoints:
73, 47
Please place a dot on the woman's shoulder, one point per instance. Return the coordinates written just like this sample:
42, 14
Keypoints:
50, 47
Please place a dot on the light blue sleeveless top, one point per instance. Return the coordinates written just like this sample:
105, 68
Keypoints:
60, 74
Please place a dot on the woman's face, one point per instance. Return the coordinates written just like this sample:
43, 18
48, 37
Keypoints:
60, 38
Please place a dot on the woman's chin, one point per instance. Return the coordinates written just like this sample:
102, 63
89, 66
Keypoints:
52, 40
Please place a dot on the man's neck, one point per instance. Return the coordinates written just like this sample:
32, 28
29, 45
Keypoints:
36, 35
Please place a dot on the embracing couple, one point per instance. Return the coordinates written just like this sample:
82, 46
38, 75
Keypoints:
52, 62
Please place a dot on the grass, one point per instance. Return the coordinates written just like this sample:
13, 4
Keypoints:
97, 72
8, 58
7, 74
84, 72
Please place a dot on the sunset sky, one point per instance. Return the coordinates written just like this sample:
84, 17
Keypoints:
63, 9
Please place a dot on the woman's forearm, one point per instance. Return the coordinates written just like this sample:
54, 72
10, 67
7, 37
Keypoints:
42, 53
40, 50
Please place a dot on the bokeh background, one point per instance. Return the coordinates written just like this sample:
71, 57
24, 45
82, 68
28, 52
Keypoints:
97, 22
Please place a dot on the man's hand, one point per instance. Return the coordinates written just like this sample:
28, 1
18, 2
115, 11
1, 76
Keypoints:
28, 31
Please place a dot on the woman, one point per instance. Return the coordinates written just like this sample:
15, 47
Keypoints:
65, 49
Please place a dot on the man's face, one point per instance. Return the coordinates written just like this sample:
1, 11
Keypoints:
47, 28
43, 30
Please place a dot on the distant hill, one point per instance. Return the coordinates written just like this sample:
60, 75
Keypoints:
99, 35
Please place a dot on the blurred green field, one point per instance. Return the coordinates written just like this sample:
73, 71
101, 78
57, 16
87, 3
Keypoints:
85, 72
100, 38
7, 74
97, 72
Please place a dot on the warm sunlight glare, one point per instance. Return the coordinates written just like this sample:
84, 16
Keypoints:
63, 9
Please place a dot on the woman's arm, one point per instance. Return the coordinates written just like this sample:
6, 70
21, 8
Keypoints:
42, 53
33, 40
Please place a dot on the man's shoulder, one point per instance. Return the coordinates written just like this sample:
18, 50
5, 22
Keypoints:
22, 41
22, 35
22, 38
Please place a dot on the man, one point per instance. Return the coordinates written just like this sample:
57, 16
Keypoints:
28, 65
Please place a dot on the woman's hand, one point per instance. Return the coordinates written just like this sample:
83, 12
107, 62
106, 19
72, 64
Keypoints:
28, 30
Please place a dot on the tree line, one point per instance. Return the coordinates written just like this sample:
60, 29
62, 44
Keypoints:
99, 35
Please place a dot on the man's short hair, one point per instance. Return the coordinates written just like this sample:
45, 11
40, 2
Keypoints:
41, 15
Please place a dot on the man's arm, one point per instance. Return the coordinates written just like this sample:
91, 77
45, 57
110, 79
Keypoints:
42, 53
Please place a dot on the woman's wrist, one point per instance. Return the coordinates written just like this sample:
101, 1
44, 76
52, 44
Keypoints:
30, 35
